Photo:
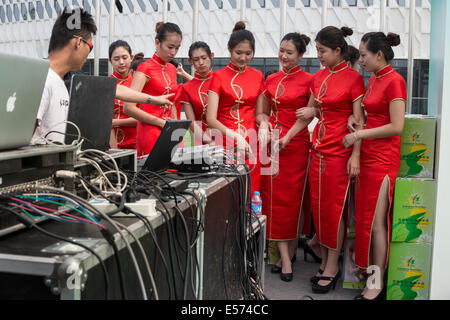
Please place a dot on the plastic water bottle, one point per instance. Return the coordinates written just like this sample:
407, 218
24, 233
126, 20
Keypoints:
256, 207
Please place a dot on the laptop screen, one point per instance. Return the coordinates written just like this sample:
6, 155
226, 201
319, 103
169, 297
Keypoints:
21, 87
91, 108
171, 136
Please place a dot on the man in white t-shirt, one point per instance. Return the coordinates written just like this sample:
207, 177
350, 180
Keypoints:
70, 45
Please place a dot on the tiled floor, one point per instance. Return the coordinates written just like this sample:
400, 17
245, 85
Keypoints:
300, 287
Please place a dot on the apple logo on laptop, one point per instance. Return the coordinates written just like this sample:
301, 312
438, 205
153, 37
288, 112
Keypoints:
11, 103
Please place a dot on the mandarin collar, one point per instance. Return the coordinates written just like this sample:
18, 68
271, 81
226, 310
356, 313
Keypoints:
119, 77
199, 77
384, 71
159, 61
292, 70
339, 67
236, 68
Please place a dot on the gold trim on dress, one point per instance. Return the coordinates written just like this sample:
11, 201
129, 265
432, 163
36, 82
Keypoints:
361, 96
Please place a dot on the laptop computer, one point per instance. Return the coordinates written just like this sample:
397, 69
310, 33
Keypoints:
166, 145
21, 87
91, 108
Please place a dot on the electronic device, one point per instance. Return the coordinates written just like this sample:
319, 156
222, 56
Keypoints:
91, 108
22, 169
199, 159
21, 87
166, 145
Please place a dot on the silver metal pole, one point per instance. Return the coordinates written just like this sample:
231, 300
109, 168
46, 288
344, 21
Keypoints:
195, 26
383, 16
195, 21
283, 8
243, 10
324, 13
112, 16
412, 20
165, 10
97, 38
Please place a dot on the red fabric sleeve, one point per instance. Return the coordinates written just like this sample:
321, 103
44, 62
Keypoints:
216, 84
396, 89
143, 68
358, 88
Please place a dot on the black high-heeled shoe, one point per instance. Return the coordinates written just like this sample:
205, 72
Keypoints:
316, 288
316, 279
287, 277
275, 269
307, 250
379, 297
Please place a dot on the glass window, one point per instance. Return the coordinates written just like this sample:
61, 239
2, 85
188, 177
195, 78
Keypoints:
40, 9
130, 5
233, 3
23, 11
141, 5
86, 6
276, 3
57, 8
9, 13
32, 10
2, 14
48, 8
219, 4
154, 5
106, 3
16, 12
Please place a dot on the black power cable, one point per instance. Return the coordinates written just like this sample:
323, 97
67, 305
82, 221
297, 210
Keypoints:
31, 224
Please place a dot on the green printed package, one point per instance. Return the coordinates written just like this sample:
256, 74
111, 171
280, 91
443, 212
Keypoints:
409, 271
414, 210
417, 148
352, 275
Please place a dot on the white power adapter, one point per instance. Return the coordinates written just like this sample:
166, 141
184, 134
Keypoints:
146, 207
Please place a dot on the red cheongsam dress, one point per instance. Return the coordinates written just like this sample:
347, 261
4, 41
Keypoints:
195, 93
238, 90
126, 136
380, 158
335, 90
282, 192
162, 79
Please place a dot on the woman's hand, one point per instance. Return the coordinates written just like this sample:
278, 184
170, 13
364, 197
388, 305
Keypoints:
305, 113
264, 133
350, 139
353, 166
353, 125
280, 144
242, 144
162, 100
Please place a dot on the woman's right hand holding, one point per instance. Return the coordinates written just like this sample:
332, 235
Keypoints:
305, 113
264, 132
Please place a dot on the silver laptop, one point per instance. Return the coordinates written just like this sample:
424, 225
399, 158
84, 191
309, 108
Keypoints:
21, 86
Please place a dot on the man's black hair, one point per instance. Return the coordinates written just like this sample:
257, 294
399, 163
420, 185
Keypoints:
71, 22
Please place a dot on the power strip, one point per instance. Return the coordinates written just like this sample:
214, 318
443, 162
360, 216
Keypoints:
146, 207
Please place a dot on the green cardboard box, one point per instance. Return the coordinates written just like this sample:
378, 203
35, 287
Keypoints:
418, 147
353, 278
414, 210
409, 271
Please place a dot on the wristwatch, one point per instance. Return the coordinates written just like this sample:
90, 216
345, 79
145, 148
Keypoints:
149, 99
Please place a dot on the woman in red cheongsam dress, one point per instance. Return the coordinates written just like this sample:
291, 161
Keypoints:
194, 95
384, 103
155, 77
337, 91
285, 92
123, 126
232, 97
